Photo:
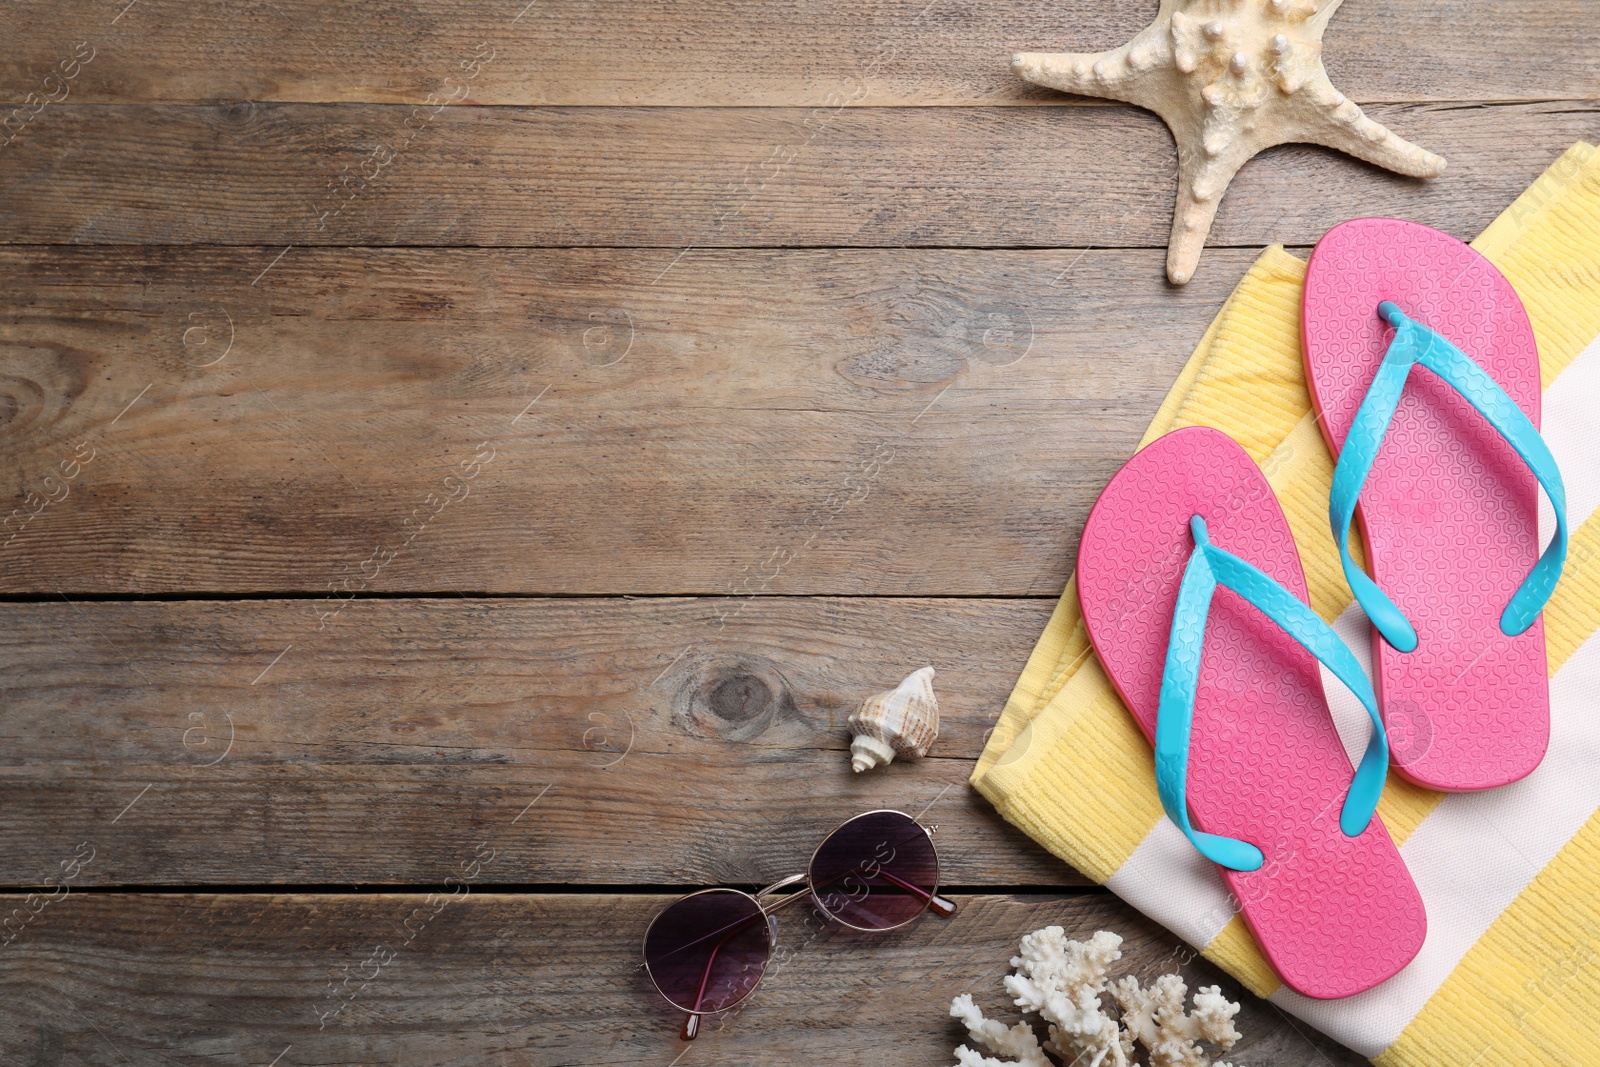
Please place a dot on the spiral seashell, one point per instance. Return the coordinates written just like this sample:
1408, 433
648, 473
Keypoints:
903, 721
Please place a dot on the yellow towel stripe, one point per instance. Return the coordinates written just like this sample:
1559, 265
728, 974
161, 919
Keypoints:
1235, 951
1525, 993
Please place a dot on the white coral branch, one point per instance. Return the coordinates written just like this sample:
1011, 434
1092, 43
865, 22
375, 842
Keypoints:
1156, 1018
1016, 1041
1062, 981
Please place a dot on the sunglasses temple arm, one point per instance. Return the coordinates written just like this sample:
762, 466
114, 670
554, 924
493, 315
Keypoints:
937, 904
691, 1023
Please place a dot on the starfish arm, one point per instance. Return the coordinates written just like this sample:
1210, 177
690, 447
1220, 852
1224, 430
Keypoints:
1202, 179
1102, 74
1335, 121
1128, 73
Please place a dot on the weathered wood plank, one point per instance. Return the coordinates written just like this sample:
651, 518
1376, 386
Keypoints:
730, 177
862, 422
110, 979
728, 53
658, 740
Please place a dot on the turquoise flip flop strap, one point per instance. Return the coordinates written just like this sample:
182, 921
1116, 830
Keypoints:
1415, 343
1209, 567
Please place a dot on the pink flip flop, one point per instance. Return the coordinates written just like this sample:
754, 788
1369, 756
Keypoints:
1193, 595
1447, 464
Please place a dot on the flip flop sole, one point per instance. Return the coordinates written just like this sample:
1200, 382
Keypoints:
1449, 513
1334, 914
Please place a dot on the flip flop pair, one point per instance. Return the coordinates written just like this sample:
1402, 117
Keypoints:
1195, 600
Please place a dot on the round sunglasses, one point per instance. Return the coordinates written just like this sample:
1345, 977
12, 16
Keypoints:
707, 952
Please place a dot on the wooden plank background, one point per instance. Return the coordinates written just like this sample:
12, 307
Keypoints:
713, 729
537, 979
538, 426
358, 174
720, 53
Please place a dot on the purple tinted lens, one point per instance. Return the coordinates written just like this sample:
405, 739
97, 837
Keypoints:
876, 871
707, 952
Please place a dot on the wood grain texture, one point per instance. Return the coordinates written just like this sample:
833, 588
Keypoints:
727, 177
659, 741
749, 422
113, 979
793, 53
752, 301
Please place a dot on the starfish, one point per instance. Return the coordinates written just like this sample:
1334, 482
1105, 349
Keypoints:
1230, 78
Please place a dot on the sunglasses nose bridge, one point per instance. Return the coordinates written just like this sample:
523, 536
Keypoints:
782, 883
879, 862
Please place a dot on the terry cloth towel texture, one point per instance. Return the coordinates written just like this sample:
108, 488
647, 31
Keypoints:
1510, 972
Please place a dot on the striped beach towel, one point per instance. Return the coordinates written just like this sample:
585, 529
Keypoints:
1510, 972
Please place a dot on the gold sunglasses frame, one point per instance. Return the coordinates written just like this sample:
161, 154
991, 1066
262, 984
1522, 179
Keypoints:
934, 902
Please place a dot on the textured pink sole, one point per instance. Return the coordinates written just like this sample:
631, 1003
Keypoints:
1449, 515
1334, 914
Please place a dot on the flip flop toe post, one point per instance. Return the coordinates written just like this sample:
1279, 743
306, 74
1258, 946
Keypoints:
1193, 594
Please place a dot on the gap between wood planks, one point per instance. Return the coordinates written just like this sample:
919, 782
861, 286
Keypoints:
520, 889
1069, 101
223, 597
